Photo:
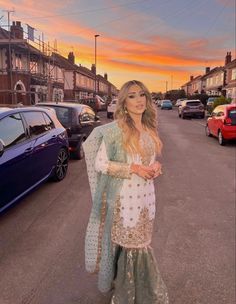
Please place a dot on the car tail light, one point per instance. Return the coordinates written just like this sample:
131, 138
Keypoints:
228, 121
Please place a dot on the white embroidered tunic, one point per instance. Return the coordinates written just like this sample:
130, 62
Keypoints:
134, 211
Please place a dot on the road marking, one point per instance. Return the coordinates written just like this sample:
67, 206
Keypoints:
199, 123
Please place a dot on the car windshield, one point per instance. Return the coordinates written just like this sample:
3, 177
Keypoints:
166, 101
63, 115
211, 99
232, 113
193, 103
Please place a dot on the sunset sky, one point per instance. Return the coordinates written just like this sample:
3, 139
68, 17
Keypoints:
155, 41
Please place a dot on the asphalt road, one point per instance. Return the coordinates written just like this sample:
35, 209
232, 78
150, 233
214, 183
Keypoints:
42, 237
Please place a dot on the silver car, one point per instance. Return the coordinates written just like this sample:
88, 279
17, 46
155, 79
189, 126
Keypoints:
191, 108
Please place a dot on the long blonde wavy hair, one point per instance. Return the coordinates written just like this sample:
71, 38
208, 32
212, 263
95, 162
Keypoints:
131, 134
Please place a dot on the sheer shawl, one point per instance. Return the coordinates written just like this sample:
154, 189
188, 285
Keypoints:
99, 254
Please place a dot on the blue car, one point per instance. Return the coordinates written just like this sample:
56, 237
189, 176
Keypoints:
166, 104
33, 147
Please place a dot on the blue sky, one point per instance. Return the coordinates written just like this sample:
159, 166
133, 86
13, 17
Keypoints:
149, 40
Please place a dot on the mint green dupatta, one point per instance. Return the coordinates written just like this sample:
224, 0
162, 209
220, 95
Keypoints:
99, 254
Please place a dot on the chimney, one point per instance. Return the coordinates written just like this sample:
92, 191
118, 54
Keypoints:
228, 58
93, 69
17, 30
207, 70
105, 76
191, 78
71, 57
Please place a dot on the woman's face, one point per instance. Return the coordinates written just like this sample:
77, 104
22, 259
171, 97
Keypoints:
136, 100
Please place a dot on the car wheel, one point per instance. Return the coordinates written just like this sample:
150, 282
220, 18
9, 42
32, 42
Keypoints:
221, 139
207, 130
202, 116
108, 115
61, 165
79, 152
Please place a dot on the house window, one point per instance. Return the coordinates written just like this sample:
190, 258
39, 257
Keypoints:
33, 67
18, 62
2, 59
222, 77
233, 77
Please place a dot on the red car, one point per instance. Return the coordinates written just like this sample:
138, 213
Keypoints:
222, 123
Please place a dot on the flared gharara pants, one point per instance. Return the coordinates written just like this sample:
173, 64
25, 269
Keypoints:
138, 280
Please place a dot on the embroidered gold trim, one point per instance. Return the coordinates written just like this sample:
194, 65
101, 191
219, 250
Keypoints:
118, 169
131, 237
101, 227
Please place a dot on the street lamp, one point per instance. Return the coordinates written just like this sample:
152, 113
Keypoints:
95, 37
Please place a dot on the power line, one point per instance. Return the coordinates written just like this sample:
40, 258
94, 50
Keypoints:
177, 13
215, 19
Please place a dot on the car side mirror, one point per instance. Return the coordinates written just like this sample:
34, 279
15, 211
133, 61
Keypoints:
2, 147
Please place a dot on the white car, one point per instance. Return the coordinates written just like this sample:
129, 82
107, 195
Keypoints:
111, 108
179, 102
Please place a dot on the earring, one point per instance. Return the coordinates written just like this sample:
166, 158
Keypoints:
125, 110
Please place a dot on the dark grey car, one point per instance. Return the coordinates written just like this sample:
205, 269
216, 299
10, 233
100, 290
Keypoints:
79, 121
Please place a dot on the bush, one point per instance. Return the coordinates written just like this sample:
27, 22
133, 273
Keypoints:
220, 101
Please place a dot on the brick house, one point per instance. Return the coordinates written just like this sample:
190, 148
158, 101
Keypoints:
217, 81
79, 80
230, 86
33, 72
27, 75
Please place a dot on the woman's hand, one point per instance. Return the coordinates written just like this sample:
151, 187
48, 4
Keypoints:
146, 172
157, 167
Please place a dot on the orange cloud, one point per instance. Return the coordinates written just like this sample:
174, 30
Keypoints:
156, 58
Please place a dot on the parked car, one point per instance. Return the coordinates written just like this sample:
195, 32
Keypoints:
96, 103
33, 147
191, 108
79, 121
166, 104
179, 102
101, 104
222, 123
111, 108
210, 103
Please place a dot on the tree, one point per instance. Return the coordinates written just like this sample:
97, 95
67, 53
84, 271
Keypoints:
175, 94
202, 97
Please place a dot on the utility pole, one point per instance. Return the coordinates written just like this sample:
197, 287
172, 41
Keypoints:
95, 59
171, 82
166, 86
9, 51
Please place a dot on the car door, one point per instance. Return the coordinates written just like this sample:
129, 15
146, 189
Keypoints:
212, 122
45, 149
216, 120
15, 161
219, 119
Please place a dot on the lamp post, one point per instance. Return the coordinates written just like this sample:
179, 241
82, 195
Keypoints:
95, 61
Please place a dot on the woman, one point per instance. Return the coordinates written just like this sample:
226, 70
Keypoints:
121, 166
